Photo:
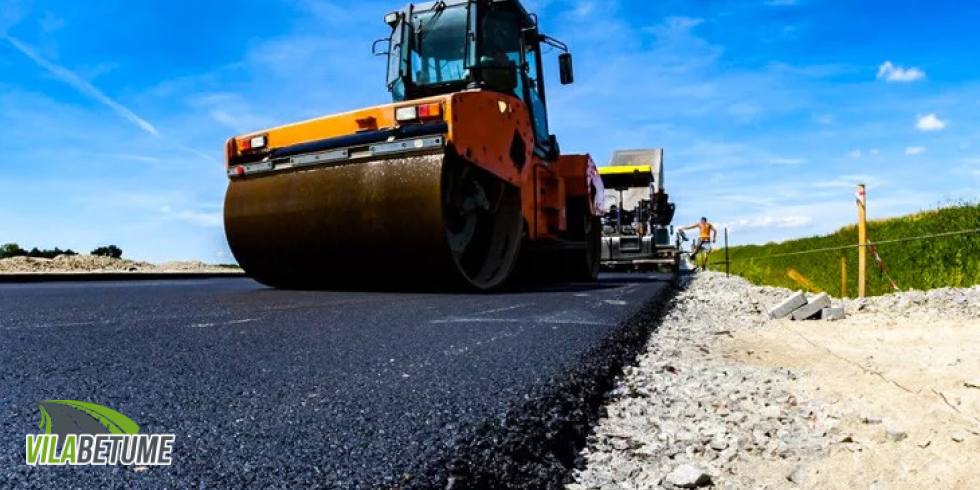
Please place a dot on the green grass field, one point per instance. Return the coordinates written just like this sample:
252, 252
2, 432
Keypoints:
952, 261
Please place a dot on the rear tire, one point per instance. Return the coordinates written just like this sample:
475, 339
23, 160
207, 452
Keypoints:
541, 265
582, 265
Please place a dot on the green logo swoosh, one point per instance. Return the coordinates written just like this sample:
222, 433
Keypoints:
75, 417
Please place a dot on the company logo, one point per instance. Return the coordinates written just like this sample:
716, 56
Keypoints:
91, 434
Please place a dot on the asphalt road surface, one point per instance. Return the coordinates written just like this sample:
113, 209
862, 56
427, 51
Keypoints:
267, 388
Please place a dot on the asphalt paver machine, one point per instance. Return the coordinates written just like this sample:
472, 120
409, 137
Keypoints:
637, 215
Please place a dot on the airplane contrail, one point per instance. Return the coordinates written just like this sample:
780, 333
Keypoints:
82, 86
88, 89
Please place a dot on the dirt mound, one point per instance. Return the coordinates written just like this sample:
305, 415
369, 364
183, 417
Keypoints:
184, 265
92, 263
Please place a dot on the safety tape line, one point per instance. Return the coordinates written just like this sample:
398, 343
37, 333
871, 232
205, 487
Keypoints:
846, 247
881, 265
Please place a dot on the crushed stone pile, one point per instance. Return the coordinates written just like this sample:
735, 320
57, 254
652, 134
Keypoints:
951, 303
688, 417
684, 418
94, 263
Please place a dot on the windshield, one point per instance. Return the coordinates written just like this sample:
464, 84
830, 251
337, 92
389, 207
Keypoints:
431, 50
438, 46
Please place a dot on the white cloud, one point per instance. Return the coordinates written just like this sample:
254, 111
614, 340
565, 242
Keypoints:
11, 13
874, 151
914, 150
827, 70
584, 8
756, 200
856, 154
826, 119
869, 181
138, 158
836, 183
226, 119
930, 122
787, 161
744, 112
50, 23
780, 3
210, 220
82, 86
237, 115
849, 181
760, 222
681, 23
892, 73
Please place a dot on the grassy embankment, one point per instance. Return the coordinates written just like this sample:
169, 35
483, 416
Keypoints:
951, 261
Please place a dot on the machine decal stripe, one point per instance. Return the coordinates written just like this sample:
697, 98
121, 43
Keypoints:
361, 139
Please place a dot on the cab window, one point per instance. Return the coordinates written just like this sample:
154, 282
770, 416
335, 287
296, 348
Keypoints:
538, 111
500, 53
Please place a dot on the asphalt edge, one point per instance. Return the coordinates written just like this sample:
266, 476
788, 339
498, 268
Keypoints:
31, 277
537, 445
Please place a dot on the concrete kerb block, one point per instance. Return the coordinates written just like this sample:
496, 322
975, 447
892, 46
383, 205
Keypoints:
788, 306
813, 308
833, 313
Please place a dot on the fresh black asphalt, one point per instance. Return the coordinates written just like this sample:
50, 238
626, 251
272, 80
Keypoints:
281, 389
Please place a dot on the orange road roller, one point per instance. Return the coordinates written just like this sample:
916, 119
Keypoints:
457, 183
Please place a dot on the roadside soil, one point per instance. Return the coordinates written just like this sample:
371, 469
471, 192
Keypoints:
910, 377
888, 398
91, 263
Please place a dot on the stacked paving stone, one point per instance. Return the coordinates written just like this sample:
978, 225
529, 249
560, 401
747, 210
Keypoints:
800, 307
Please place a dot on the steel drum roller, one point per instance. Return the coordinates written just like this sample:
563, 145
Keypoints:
426, 220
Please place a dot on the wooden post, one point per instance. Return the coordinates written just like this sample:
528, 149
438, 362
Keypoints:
726, 252
862, 237
843, 277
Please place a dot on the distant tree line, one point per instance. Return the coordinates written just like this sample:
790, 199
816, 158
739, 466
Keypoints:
13, 250
110, 251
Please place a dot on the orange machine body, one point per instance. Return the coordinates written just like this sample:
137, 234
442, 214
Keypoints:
490, 129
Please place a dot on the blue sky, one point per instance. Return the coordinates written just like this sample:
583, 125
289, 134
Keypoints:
770, 111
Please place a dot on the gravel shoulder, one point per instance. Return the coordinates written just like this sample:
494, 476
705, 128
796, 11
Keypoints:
724, 397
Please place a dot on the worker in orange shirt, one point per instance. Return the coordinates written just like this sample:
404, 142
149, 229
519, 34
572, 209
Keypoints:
707, 234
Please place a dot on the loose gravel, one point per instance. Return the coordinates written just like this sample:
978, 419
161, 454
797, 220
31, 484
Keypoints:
948, 303
687, 416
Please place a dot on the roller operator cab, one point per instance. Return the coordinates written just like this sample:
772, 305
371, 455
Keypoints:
457, 181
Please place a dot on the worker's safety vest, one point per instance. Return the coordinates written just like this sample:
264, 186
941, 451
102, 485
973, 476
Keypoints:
704, 228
